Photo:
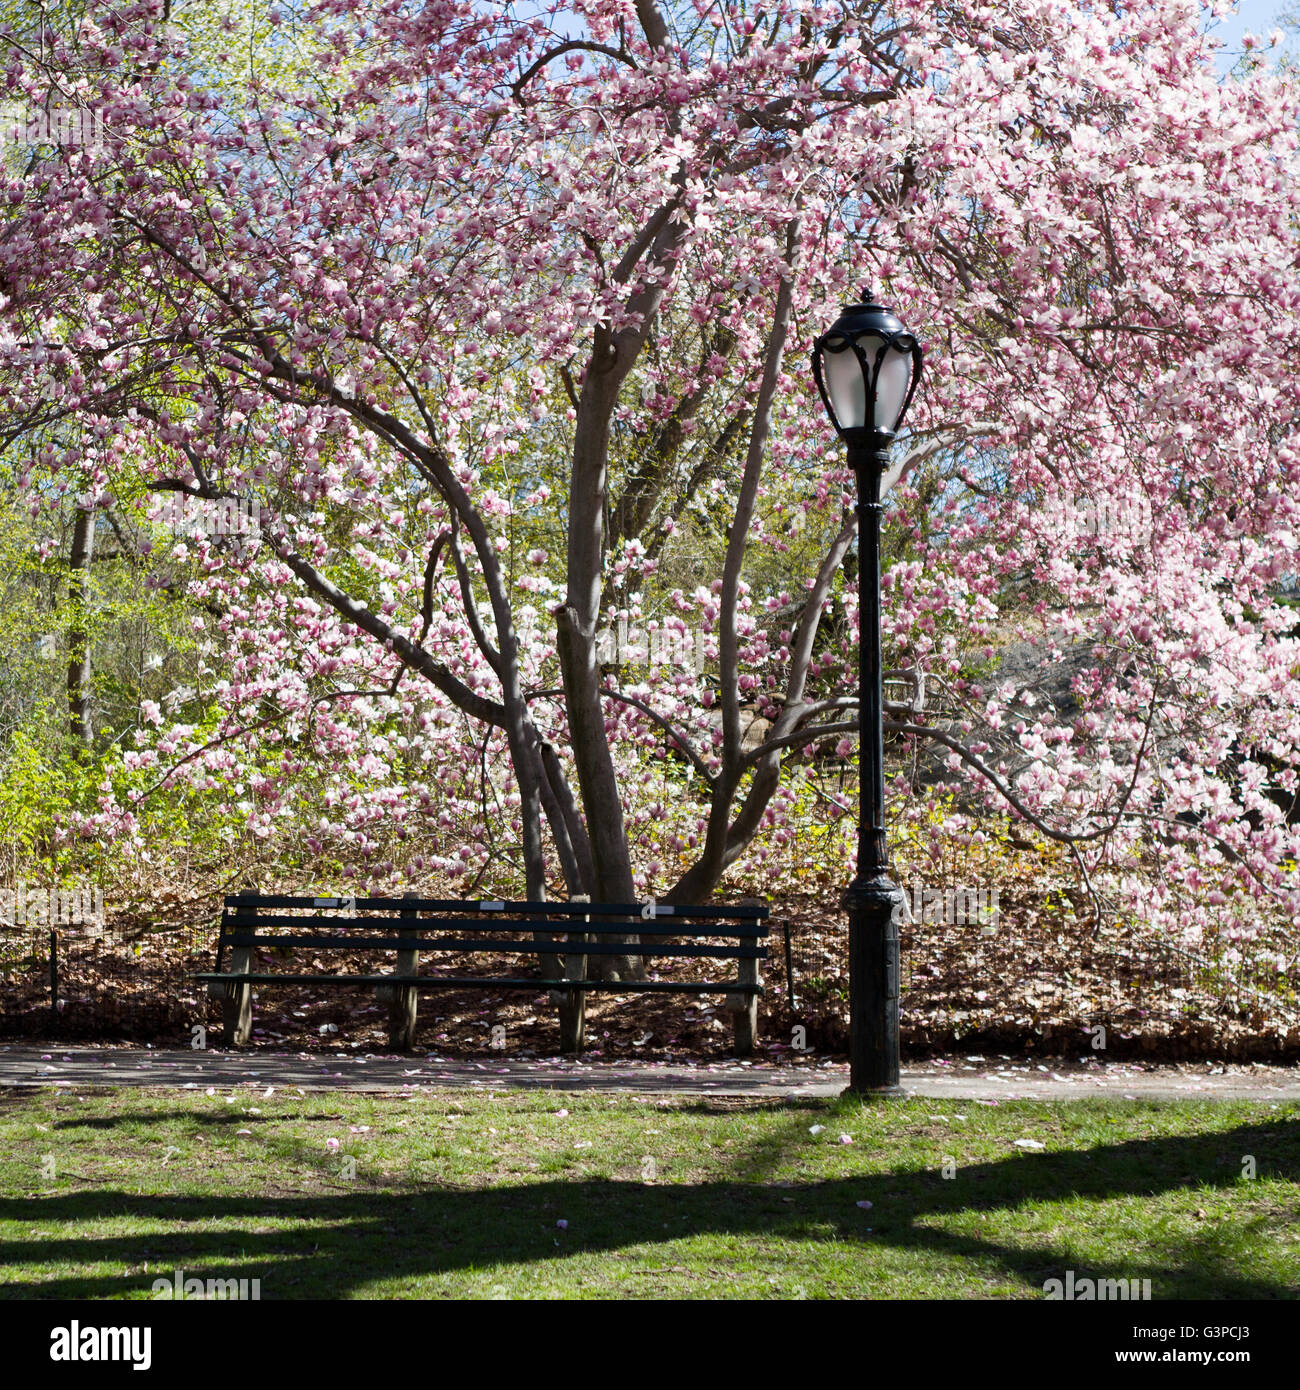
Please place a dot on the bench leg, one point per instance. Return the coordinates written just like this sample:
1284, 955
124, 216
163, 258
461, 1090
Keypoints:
237, 1006
745, 1022
403, 1000
573, 1019
237, 1015
402, 1013
744, 1008
573, 1002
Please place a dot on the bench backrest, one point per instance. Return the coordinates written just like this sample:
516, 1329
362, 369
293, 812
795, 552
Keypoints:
440, 924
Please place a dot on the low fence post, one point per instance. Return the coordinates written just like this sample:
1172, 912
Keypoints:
54, 978
789, 964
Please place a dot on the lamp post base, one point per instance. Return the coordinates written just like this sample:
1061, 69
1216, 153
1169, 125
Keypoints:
875, 907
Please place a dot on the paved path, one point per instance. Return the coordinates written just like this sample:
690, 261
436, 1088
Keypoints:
957, 1078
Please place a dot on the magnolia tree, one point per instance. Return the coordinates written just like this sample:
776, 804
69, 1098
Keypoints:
496, 319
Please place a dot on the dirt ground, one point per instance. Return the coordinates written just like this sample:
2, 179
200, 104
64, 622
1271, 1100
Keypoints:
1041, 983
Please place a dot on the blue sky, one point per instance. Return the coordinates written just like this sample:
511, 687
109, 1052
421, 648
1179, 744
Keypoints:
1254, 16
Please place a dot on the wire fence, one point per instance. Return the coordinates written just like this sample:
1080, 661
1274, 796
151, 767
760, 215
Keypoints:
98, 982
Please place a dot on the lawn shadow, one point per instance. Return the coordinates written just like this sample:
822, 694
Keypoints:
373, 1232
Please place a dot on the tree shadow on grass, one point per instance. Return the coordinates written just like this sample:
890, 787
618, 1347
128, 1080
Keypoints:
335, 1245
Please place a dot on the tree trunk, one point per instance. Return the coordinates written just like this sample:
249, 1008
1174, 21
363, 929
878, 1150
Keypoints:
576, 639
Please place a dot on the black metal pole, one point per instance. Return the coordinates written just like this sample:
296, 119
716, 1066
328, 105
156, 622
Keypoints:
873, 900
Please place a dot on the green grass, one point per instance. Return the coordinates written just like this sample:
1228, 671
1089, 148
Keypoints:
459, 1194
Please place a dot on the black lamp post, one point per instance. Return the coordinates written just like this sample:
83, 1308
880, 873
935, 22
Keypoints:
867, 366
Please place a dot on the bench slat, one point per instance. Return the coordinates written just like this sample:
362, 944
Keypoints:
556, 909
451, 982
527, 948
650, 928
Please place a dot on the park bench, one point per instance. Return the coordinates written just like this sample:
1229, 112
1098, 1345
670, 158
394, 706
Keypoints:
445, 933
